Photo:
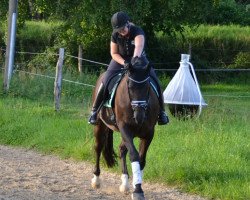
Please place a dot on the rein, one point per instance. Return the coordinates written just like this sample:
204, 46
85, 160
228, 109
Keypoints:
138, 81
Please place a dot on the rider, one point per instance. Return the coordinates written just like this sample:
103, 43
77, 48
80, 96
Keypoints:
127, 41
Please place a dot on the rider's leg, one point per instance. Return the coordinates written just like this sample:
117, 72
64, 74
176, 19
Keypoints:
97, 104
113, 69
163, 118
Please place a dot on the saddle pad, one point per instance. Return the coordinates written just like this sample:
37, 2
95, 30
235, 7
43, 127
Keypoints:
112, 86
154, 86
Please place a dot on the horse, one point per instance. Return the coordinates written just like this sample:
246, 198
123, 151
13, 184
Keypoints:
134, 114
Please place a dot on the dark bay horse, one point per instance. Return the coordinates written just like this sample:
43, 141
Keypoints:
134, 114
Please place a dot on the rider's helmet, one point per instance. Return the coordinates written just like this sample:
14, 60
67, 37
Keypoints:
119, 20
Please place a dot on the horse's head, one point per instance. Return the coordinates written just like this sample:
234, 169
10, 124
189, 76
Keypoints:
138, 87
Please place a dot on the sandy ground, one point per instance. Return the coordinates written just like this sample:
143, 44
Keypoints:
25, 175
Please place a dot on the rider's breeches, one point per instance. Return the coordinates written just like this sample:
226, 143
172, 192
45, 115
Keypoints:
114, 68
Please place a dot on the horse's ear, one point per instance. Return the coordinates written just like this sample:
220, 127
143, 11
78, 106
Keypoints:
139, 62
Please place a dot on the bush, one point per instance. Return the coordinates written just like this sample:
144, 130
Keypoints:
35, 37
241, 60
211, 46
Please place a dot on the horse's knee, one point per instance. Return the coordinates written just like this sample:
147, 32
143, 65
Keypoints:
96, 182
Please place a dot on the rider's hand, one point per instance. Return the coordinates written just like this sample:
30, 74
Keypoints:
127, 64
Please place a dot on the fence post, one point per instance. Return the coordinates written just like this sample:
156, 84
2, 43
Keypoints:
80, 59
58, 79
11, 38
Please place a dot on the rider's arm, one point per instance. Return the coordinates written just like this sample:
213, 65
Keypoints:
115, 54
139, 45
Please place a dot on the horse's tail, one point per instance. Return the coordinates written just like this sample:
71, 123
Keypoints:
108, 150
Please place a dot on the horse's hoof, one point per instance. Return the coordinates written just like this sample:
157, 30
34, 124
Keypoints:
138, 196
124, 189
95, 182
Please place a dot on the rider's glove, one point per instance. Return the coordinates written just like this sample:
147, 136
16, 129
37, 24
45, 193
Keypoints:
127, 64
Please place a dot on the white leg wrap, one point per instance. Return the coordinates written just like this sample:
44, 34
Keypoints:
137, 178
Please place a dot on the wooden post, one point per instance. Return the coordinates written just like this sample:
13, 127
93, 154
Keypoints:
58, 79
11, 39
80, 59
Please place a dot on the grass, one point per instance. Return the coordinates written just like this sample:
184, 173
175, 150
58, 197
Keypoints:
208, 156
30, 124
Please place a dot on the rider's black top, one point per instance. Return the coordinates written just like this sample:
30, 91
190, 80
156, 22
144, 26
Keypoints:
126, 45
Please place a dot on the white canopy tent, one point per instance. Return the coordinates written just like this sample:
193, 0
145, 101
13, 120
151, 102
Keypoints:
184, 89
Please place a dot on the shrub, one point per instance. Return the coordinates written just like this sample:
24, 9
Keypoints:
242, 60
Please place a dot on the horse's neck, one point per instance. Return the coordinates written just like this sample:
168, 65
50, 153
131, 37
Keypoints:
123, 88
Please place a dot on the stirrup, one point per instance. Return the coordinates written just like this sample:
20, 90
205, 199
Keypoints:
163, 118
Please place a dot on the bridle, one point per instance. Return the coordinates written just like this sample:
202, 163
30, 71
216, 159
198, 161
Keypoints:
139, 103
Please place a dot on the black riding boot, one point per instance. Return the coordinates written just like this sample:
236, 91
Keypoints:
97, 105
162, 118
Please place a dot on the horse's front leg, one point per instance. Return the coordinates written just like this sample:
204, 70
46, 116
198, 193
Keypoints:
124, 187
99, 134
143, 148
135, 163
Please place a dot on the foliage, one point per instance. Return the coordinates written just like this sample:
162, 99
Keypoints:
42, 36
241, 60
229, 12
211, 46
88, 23
4, 8
94, 30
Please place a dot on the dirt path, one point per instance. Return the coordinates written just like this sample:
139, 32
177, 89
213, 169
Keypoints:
25, 175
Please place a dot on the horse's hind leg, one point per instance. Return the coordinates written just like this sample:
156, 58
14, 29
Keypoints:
99, 133
124, 187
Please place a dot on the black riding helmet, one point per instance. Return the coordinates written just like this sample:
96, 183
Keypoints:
119, 20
